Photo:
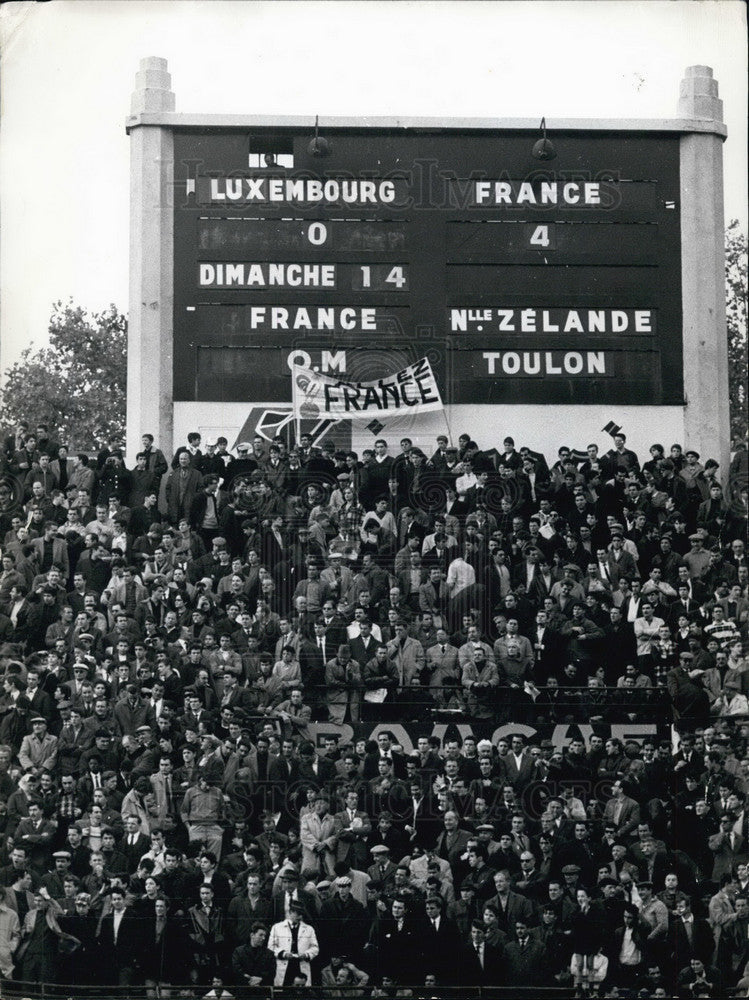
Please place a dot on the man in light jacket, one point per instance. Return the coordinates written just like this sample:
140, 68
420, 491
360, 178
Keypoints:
318, 835
294, 943
10, 935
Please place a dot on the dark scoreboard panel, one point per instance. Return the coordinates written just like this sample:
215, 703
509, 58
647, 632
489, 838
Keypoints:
524, 281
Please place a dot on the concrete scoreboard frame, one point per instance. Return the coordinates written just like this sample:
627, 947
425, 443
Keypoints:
685, 400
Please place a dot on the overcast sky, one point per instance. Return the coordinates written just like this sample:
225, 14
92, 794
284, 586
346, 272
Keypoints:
68, 70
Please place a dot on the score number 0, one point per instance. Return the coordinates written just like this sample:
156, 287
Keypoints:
317, 234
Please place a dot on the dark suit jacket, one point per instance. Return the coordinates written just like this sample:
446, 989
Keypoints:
629, 818
625, 607
539, 590
422, 820
41, 703
133, 853
305, 899
471, 972
278, 771
237, 699
678, 608
452, 854
387, 877
326, 773
662, 865
116, 863
681, 950
193, 483
42, 836
625, 566
439, 948
359, 652
370, 765
518, 778
129, 941
517, 908
398, 951
526, 965
241, 915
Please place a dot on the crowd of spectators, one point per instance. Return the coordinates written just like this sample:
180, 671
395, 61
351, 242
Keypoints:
194, 651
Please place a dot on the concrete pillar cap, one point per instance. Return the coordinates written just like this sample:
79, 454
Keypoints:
153, 62
698, 95
153, 87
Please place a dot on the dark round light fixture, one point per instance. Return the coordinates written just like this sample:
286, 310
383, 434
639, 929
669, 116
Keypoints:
543, 149
319, 145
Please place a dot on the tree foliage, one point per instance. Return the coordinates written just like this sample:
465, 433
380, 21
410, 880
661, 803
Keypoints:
77, 384
736, 315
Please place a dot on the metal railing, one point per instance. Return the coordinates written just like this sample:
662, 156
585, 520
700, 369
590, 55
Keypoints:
498, 706
10, 990
451, 699
46, 991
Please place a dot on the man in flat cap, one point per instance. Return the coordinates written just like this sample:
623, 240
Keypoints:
343, 919
38, 750
289, 891
54, 881
697, 560
243, 465
382, 869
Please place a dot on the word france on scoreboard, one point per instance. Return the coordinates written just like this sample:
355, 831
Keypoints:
522, 281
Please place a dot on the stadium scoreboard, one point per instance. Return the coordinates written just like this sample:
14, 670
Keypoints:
524, 281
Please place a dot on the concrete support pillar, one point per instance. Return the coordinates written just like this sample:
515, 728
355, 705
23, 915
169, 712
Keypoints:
149, 364
706, 421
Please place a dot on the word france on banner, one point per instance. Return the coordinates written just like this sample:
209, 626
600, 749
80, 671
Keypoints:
414, 389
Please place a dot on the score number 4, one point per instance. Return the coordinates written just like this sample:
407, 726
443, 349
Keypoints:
541, 237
